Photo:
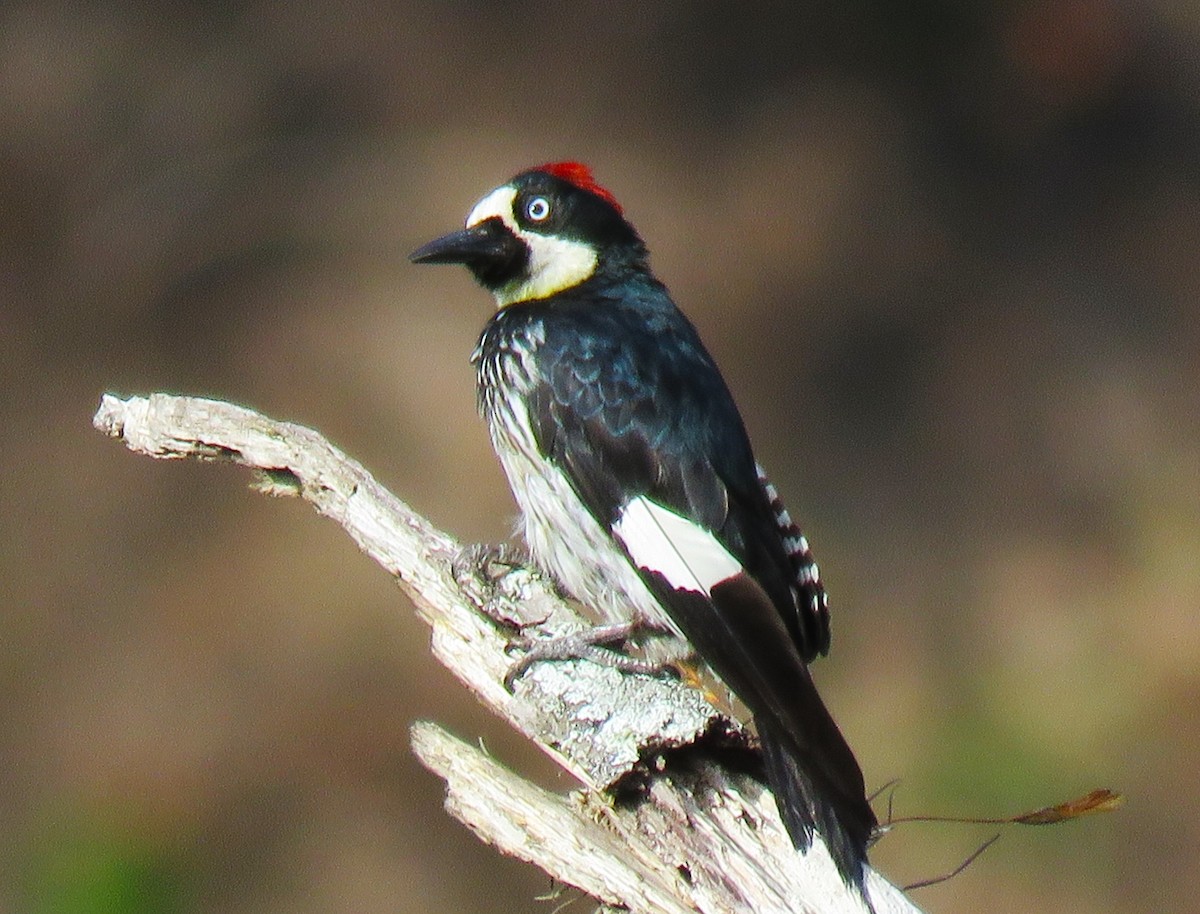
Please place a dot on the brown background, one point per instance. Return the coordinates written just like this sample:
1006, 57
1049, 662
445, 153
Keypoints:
945, 251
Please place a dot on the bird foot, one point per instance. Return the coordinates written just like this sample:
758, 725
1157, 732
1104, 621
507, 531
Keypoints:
493, 576
594, 644
484, 557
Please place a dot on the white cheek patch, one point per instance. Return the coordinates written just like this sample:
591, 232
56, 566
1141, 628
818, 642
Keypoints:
554, 263
684, 553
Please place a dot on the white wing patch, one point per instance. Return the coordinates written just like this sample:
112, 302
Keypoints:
687, 555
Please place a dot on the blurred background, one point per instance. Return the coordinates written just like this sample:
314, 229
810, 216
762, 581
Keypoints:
946, 253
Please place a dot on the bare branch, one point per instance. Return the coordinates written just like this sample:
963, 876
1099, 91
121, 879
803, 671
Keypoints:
691, 836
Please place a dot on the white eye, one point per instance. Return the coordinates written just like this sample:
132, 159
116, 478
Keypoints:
538, 209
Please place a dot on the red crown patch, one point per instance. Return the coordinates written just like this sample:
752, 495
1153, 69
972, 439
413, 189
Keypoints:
581, 176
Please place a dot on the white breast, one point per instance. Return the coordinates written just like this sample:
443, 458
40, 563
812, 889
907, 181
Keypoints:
564, 538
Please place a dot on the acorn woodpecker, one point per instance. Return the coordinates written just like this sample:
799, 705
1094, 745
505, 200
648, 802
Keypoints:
638, 488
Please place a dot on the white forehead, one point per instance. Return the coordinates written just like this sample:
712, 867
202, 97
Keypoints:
498, 203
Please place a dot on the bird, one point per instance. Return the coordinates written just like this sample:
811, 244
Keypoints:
638, 489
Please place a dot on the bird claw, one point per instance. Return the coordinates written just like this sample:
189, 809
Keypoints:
486, 564
483, 572
481, 557
592, 644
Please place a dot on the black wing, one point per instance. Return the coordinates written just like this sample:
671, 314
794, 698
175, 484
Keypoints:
807, 588
629, 415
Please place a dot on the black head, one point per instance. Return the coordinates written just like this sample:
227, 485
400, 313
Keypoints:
548, 229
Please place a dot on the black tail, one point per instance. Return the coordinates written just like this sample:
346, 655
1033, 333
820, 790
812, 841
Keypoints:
808, 799
810, 766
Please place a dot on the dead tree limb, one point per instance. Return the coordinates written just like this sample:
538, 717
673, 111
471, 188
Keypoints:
656, 827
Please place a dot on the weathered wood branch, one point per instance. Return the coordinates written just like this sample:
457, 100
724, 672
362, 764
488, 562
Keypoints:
657, 827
